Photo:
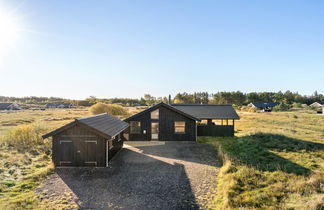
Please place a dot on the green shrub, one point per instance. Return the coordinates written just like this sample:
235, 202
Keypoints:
112, 109
282, 107
297, 105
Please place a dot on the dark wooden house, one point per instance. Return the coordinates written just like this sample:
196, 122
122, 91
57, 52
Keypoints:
164, 122
87, 141
225, 115
161, 122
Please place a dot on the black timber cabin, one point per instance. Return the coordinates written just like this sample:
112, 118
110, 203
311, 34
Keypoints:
88, 141
164, 122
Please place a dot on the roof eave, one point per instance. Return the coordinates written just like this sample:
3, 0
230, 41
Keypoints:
59, 130
165, 105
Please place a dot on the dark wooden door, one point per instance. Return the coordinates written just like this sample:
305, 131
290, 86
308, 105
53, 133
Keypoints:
86, 153
78, 152
67, 154
90, 155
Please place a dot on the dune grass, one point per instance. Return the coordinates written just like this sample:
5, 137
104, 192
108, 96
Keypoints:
276, 161
25, 158
51, 117
25, 161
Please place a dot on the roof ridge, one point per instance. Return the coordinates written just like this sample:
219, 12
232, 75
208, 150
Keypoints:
92, 116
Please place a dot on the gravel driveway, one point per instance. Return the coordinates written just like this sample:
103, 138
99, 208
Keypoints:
143, 175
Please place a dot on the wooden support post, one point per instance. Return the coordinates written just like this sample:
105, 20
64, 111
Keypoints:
233, 122
226, 121
222, 121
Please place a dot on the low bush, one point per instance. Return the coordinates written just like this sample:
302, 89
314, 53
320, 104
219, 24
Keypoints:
282, 107
297, 105
24, 135
112, 109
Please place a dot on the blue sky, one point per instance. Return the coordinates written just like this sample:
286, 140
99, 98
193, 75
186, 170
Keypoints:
75, 49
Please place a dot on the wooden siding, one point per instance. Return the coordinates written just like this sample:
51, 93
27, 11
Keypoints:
78, 146
215, 130
166, 120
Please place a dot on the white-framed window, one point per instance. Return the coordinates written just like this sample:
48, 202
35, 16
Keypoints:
155, 114
179, 127
135, 127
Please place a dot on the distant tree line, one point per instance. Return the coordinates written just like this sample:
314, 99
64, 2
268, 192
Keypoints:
240, 98
236, 97
35, 100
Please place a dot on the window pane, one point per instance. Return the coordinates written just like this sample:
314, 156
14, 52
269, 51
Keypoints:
179, 127
135, 127
155, 114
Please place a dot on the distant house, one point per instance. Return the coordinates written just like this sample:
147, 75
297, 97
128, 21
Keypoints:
9, 106
265, 106
59, 105
317, 104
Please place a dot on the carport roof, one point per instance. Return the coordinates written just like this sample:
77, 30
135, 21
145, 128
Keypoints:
103, 124
208, 111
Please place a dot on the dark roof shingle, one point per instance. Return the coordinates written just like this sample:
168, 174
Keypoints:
4, 105
208, 111
104, 124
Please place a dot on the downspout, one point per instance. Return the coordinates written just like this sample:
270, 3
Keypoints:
196, 131
107, 152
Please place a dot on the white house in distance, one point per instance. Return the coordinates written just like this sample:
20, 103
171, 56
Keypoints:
317, 104
319, 107
9, 106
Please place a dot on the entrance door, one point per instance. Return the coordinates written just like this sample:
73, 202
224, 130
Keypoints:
66, 153
86, 153
154, 131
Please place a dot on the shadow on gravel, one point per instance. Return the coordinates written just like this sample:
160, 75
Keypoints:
133, 181
199, 153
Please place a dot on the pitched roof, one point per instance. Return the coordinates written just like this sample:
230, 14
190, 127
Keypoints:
319, 103
208, 111
166, 106
265, 104
104, 124
4, 105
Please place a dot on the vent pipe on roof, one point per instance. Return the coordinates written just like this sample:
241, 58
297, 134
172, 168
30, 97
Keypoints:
169, 100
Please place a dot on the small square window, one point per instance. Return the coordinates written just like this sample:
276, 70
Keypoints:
135, 127
179, 127
155, 114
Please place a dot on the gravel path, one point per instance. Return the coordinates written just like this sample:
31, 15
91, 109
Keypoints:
143, 175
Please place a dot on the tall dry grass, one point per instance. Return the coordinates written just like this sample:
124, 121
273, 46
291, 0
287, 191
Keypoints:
24, 135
